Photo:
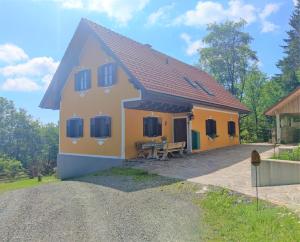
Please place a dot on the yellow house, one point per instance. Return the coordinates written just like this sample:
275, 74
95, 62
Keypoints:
113, 92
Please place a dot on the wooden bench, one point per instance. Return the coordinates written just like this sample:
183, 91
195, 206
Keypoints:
171, 148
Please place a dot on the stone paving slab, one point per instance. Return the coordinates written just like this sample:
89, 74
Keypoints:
227, 167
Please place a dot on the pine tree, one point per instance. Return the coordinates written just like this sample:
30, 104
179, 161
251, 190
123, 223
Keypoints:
290, 64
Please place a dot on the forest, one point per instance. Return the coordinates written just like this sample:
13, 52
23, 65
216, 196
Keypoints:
29, 147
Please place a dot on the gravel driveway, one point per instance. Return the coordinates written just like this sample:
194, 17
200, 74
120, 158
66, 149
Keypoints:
102, 208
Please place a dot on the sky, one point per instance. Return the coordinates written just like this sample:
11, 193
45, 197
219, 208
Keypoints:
34, 35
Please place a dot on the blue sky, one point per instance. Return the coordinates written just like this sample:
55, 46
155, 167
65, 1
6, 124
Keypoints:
34, 35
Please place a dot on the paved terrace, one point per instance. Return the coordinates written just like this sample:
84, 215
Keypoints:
227, 167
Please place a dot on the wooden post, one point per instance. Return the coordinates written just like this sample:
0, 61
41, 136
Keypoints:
278, 128
255, 161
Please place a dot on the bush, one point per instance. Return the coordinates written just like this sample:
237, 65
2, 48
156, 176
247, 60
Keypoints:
9, 167
291, 155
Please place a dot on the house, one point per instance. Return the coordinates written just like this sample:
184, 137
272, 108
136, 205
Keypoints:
112, 92
287, 113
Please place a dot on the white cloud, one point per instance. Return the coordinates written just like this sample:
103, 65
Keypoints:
20, 84
295, 2
46, 80
192, 46
269, 9
160, 14
206, 12
120, 10
10, 53
268, 26
30, 75
34, 67
72, 4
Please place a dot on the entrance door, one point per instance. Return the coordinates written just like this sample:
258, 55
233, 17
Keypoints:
180, 130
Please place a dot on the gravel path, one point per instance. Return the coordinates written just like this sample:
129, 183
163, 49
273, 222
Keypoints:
102, 208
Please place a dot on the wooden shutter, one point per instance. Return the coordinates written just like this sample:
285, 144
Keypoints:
92, 127
214, 127
77, 81
80, 127
89, 79
108, 126
146, 126
68, 128
114, 73
101, 76
158, 126
207, 125
233, 128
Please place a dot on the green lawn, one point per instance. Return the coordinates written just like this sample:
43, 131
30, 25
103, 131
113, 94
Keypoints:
24, 183
231, 217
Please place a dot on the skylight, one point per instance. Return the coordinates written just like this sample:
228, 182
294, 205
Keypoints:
198, 85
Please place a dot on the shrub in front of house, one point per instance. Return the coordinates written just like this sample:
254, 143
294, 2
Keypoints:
9, 168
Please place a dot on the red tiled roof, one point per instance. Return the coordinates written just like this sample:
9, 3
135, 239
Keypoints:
150, 69
164, 74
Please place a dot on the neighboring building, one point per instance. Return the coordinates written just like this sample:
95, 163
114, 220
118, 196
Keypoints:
287, 113
113, 92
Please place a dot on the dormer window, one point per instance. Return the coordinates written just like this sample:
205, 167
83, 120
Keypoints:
83, 80
107, 75
198, 85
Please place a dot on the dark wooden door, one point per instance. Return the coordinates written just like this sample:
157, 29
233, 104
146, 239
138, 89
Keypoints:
180, 130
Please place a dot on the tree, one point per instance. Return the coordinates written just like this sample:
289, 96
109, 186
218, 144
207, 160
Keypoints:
290, 64
261, 92
227, 55
253, 96
27, 140
49, 139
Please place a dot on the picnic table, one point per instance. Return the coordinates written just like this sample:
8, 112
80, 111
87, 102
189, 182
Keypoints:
159, 150
148, 149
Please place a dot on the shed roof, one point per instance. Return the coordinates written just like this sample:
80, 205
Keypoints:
277, 107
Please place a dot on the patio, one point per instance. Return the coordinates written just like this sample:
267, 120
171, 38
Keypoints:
227, 167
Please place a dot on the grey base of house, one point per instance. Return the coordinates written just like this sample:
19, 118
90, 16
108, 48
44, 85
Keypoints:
72, 165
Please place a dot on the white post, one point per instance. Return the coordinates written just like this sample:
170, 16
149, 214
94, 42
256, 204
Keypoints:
189, 135
278, 128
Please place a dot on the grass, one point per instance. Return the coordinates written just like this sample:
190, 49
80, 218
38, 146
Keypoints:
136, 174
25, 183
232, 217
289, 155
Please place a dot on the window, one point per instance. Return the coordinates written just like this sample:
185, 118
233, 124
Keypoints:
231, 128
198, 85
83, 80
107, 75
75, 127
100, 127
152, 127
211, 128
